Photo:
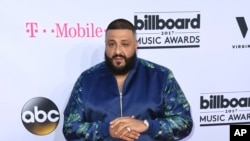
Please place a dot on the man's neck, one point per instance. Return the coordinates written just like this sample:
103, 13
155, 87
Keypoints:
120, 80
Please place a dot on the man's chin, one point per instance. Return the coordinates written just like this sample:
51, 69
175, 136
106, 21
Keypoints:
118, 67
118, 64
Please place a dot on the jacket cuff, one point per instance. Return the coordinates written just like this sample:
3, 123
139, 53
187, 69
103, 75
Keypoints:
153, 128
104, 129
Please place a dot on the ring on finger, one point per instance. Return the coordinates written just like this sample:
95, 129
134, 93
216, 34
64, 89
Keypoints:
128, 129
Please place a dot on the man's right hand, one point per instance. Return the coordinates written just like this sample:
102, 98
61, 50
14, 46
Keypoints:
125, 134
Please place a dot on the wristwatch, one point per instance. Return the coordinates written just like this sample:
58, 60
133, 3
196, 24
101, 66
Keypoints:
146, 123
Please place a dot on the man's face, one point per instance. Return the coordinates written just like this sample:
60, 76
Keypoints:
120, 50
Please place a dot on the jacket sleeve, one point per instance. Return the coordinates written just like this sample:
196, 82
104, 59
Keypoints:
75, 126
177, 122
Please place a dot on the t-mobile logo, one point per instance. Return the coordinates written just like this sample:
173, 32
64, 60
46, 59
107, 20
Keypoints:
243, 26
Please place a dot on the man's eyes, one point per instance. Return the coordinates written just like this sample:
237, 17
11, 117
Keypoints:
125, 44
113, 44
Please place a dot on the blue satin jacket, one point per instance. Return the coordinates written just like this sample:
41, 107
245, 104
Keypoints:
150, 92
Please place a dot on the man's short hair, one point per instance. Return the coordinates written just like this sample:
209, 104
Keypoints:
121, 24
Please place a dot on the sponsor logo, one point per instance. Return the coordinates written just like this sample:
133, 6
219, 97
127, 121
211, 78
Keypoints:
224, 108
65, 30
242, 24
168, 29
40, 116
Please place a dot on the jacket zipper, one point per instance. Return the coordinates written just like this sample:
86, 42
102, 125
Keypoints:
121, 103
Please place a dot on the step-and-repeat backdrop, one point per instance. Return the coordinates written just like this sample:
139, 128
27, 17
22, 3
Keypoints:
45, 45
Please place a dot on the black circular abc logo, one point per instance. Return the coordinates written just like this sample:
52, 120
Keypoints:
40, 116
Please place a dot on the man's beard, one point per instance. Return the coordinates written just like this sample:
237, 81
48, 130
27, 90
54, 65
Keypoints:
120, 70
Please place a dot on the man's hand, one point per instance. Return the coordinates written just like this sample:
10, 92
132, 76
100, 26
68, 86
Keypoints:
127, 128
125, 134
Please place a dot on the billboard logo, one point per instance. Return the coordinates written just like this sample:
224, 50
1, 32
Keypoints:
40, 116
174, 29
242, 25
224, 108
154, 22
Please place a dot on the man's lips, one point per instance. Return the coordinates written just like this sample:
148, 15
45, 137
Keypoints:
118, 58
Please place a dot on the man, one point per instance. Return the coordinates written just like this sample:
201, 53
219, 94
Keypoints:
126, 97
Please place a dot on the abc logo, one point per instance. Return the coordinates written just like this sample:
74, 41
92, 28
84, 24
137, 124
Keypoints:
40, 116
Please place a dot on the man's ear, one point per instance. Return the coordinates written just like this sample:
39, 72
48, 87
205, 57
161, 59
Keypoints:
136, 44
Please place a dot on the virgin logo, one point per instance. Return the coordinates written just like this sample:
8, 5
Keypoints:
243, 25
65, 30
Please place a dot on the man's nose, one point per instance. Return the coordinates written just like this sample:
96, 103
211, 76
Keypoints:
118, 49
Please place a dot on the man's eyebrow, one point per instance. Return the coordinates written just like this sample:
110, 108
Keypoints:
126, 40
110, 40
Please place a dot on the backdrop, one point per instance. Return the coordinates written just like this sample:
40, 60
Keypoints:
45, 45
